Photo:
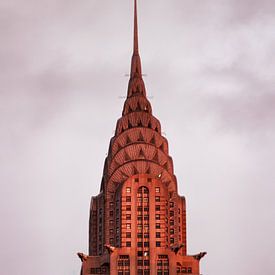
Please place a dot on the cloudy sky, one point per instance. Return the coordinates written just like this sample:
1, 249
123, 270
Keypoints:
210, 77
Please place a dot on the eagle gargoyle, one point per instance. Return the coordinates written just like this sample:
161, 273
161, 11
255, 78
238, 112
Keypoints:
82, 256
109, 248
176, 248
199, 256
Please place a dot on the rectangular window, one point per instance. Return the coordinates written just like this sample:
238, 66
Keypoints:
128, 199
149, 180
128, 217
128, 225
128, 189
128, 234
189, 270
140, 263
146, 263
171, 204
171, 213
136, 180
157, 198
146, 218
139, 244
146, 244
140, 253
172, 240
157, 234
157, 189
157, 216
157, 244
157, 225
128, 244
157, 207
146, 235
128, 207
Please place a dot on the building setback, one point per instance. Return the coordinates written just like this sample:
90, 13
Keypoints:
138, 220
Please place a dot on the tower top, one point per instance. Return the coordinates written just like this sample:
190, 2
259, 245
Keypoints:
136, 85
135, 30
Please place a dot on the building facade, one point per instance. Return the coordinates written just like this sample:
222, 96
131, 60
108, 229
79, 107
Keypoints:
138, 220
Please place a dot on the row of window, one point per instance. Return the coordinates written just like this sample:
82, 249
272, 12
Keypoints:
148, 180
141, 199
184, 270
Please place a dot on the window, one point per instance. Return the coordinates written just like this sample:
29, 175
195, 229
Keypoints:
128, 234
140, 263
157, 216
139, 235
139, 244
157, 207
172, 231
171, 204
128, 189
128, 244
136, 180
140, 253
146, 263
157, 225
157, 234
146, 235
157, 198
157, 244
189, 270
128, 207
157, 189
171, 222
149, 180
111, 213
146, 244
171, 213
172, 240
128, 225
128, 217
128, 199
146, 218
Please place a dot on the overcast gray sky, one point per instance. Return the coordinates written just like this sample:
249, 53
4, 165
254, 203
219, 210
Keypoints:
210, 76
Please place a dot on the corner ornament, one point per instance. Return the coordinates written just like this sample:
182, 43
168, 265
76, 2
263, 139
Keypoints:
199, 256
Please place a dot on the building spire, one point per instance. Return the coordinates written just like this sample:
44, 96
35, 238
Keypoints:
135, 30
136, 85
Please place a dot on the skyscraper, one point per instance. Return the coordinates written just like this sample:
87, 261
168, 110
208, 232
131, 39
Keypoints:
138, 220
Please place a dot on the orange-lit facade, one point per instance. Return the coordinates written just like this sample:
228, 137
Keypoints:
138, 220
